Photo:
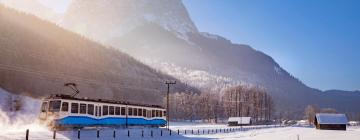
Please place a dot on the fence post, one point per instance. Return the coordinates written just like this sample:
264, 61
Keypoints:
114, 134
142, 133
128, 133
192, 131
54, 134
78, 133
203, 131
160, 132
185, 131
198, 131
178, 132
151, 133
170, 132
98, 133
27, 134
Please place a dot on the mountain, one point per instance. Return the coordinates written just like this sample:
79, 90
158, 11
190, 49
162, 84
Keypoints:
33, 7
161, 33
37, 57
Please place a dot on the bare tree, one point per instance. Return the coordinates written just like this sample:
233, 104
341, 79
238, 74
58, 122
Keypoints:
310, 112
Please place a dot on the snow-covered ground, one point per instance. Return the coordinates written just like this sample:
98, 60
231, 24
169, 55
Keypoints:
13, 126
279, 133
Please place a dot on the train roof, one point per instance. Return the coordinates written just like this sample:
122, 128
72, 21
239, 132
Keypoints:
68, 97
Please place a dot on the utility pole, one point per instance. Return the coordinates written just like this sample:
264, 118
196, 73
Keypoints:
168, 83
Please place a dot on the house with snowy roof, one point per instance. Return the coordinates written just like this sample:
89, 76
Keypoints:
239, 121
330, 121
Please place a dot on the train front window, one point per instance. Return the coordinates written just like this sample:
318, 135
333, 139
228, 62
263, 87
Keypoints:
74, 108
65, 107
54, 106
44, 106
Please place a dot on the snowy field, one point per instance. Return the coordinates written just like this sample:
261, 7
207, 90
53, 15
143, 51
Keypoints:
280, 133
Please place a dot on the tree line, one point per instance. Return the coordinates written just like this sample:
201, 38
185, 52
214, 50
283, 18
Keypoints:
237, 101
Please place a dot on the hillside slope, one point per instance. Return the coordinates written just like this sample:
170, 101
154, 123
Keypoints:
38, 57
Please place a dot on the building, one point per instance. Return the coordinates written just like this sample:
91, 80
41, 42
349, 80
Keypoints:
239, 121
330, 121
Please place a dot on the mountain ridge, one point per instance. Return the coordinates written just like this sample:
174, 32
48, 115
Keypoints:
198, 51
38, 63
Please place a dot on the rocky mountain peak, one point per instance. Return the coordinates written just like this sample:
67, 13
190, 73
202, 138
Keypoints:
170, 14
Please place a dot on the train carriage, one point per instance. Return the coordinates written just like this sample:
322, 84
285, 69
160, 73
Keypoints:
64, 111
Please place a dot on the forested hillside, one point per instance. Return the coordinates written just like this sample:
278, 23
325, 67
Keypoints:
38, 57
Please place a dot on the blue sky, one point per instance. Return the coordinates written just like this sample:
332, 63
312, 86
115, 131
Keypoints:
317, 41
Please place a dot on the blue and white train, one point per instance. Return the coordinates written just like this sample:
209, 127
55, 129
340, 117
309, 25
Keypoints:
64, 111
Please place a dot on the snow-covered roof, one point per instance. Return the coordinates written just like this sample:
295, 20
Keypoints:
240, 120
326, 118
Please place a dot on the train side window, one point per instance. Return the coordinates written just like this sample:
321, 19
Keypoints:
130, 111
82, 108
117, 111
74, 108
164, 113
111, 110
90, 109
135, 112
153, 113
44, 106
105, 110
140, 112
96, 111
123, 111
100, 111
144, 112
65, 107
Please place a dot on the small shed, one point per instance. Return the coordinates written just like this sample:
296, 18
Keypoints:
239, 121
330, 121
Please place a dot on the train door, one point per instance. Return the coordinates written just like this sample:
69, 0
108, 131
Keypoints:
43, 110
148, 114
98, 112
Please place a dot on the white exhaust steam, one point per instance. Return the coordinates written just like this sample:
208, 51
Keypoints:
18, 113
